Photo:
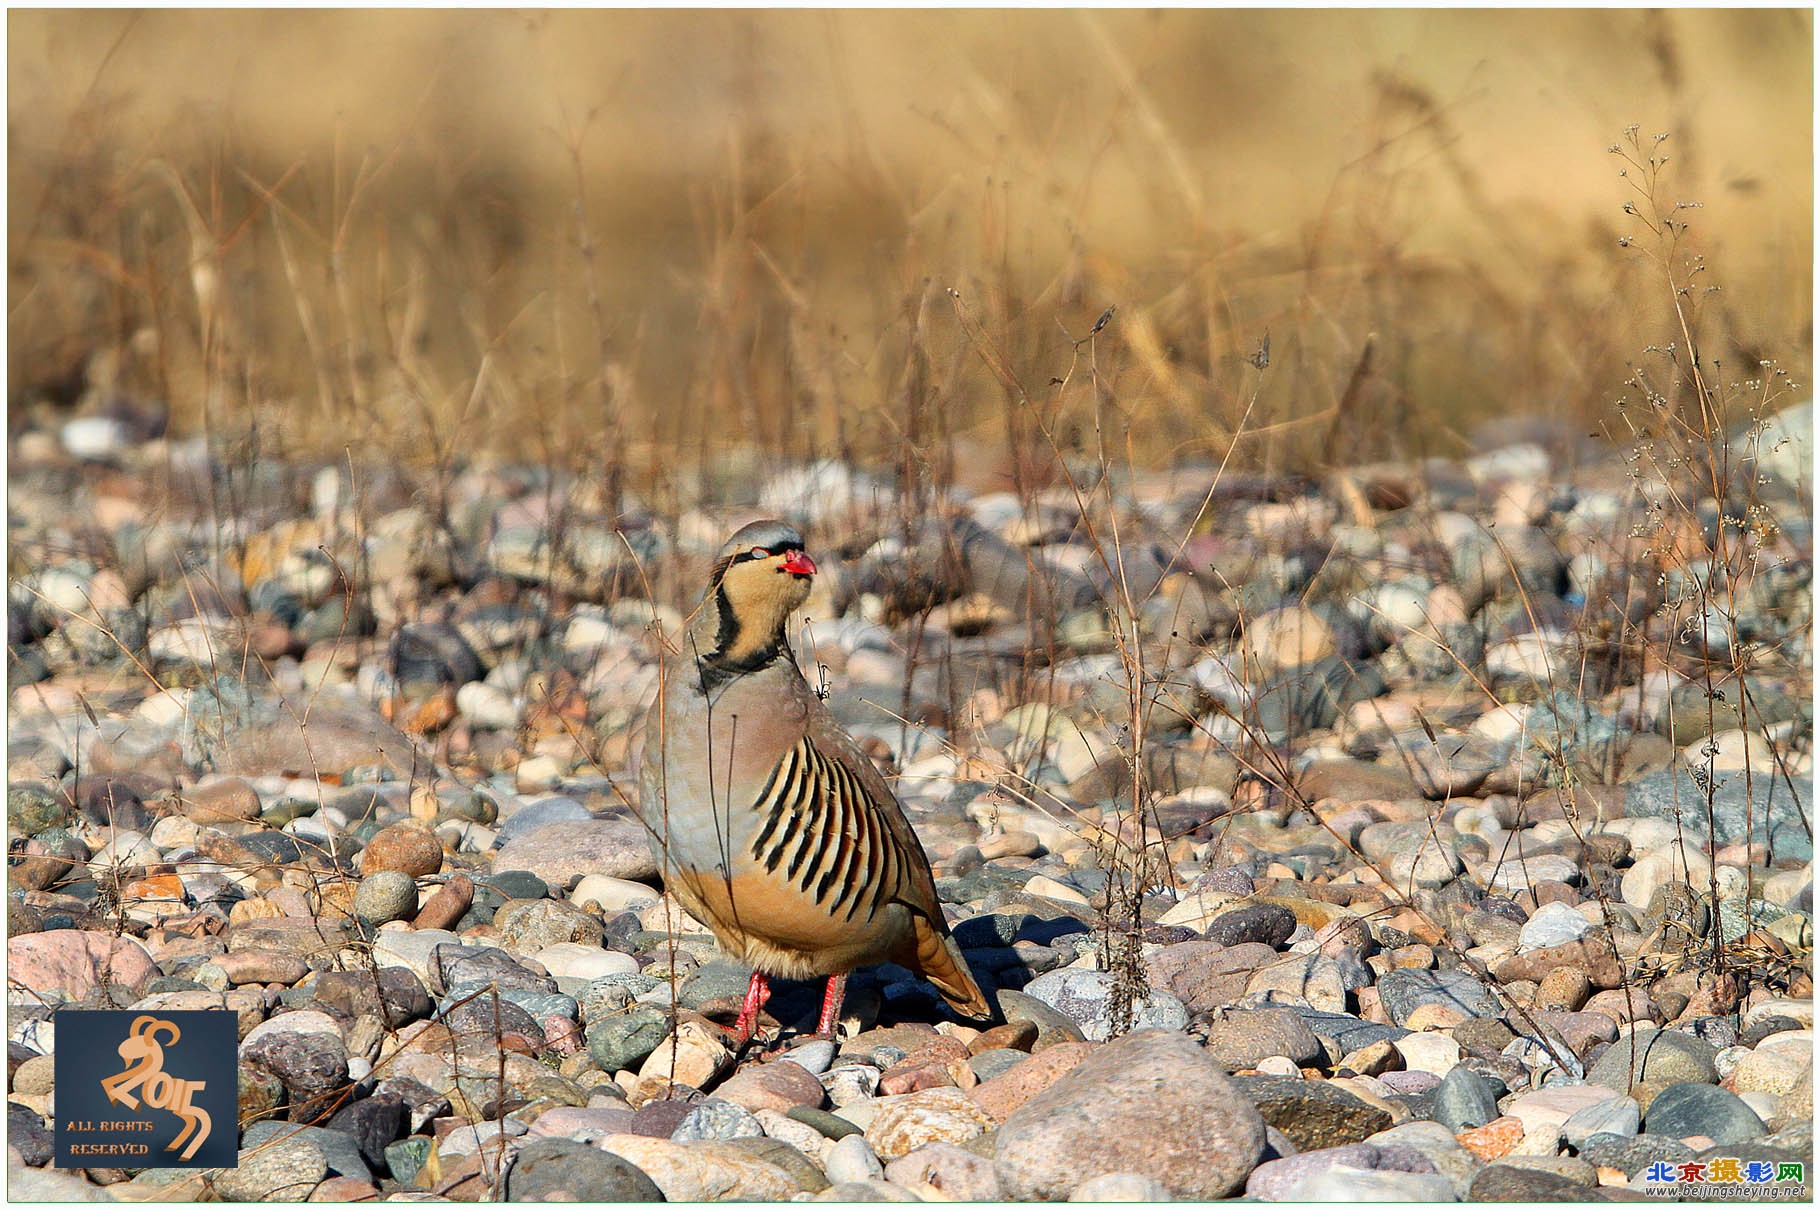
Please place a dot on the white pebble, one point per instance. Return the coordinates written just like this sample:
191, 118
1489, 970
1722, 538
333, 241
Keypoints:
578, 961
96, 438
852, 1159
486, 707
538, 773
612, 895
1120, 1187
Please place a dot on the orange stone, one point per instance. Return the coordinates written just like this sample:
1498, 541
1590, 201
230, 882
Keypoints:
1017, 1035
1005, 1092
433, 715
904, 1078
1433, 1016
925, 1067
159, 886
1495, 1139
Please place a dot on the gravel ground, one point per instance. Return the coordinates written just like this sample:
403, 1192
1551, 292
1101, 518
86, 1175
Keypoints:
1472, 867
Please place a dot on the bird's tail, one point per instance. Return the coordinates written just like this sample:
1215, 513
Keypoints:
939, 960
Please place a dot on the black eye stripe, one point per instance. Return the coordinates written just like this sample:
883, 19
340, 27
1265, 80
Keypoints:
753, 553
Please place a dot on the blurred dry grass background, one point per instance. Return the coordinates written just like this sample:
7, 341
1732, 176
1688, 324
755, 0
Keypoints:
605, 239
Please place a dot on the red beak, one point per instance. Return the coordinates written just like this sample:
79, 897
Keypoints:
797, 563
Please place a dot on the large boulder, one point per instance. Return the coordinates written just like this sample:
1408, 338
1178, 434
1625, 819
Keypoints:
1150, 1102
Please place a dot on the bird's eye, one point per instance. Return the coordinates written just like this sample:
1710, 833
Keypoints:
759, 552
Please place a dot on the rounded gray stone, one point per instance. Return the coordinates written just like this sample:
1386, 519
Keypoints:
1683, 1110
1402, 991
284, 1171
1464, 1099
563, 851
1273, 1180
1085, 997
1619, 1116
550, 1170
718, 1119
626, 1039
852, 1159
1120, 1187
385, 896
1373, 1186
1655, 1056
1242, 1038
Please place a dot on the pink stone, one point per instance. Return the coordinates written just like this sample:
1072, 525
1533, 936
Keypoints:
777, 1086
562, 1035
73, 963
1549, 1107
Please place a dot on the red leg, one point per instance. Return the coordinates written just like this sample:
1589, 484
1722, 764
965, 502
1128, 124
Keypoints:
837, 991
757, 992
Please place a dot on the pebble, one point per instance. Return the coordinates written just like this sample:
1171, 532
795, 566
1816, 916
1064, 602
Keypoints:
282, 1171
1430, 1052
221, 800
1496, 1138
1619, 1116
1550, 1108
1464, 1100
562, 853
261, 966
410, 851
1313, 1114
1246, 1037
1776, 1071
777, 1086
1104, 1116
692, 1055
904, 1123
1120, 1187
612, 895
1683, 1110
1260, 924
1632, 1155
1389, 1186
1404, 991
1659, 1057
852, 1159
814, 1057
1286, 1179
999, 1095
951, 1172
340, 1149
717, 1118
703, 1171
560, 1169
1552, 924
446, 905
1513, 1183
73, 965
386, 895
1086, 998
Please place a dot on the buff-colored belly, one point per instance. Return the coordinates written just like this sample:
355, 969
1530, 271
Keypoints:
778, 929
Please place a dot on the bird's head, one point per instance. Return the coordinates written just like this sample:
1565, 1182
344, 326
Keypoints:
763, 574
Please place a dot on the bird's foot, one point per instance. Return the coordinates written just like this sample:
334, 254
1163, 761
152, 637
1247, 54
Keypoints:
755, 1046
757, 992
829, 1021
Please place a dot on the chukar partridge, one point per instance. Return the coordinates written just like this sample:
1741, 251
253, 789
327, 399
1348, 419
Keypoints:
773, 828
